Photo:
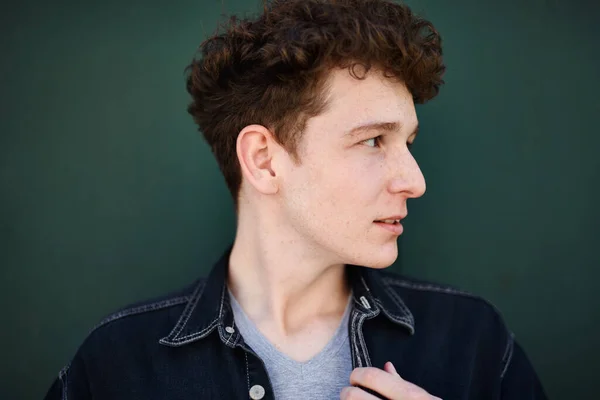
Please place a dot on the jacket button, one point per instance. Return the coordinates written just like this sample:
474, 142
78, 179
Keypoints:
257, 392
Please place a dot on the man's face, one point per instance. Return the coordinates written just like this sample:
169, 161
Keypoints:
349, 178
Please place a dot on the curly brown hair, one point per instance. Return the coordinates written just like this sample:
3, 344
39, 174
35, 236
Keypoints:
272, 70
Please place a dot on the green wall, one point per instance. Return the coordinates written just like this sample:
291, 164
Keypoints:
108, 194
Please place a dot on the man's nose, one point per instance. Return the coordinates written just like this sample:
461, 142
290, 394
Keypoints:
407, 177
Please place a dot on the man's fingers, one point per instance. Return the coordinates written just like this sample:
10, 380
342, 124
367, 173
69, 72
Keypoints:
378, 380
388, 384
354, 393
389, 367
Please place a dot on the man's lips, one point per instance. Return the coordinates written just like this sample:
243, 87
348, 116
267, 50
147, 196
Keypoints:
392, 219
391, 224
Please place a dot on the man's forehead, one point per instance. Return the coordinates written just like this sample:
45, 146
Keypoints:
354, 106
373, 97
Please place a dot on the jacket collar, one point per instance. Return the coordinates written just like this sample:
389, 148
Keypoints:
209, 309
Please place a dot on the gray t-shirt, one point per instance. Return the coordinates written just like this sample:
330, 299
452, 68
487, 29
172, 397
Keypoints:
320, 378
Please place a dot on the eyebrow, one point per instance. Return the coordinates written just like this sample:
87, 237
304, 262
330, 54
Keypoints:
379, 126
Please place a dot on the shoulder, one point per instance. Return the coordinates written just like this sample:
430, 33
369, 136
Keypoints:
417, 293
448, 312
124, 341
445, 308
150, 319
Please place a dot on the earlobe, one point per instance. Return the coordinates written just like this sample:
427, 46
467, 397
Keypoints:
254, 149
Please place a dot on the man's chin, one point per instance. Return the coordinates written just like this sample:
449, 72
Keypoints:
381, 258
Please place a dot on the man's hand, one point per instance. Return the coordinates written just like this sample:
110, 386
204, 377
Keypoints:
386, 383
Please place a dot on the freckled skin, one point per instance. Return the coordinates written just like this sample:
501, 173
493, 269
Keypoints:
343, 183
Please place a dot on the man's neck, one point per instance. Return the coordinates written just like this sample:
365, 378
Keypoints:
282, 284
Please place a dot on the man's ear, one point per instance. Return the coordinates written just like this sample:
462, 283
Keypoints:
255, 146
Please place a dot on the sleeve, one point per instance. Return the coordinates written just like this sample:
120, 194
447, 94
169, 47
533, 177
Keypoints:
71, 383
519, 380
55, 391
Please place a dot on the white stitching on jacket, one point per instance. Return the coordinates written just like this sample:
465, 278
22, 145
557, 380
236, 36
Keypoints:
507, 357
185, 316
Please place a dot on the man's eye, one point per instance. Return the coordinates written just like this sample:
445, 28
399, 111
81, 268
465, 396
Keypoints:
373, 142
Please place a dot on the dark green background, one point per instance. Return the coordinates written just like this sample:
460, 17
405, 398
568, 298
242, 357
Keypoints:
109, 195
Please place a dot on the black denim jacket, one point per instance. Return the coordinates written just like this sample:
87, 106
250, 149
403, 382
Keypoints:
186, 345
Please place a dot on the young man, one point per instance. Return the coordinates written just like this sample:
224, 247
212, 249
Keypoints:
309, 110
